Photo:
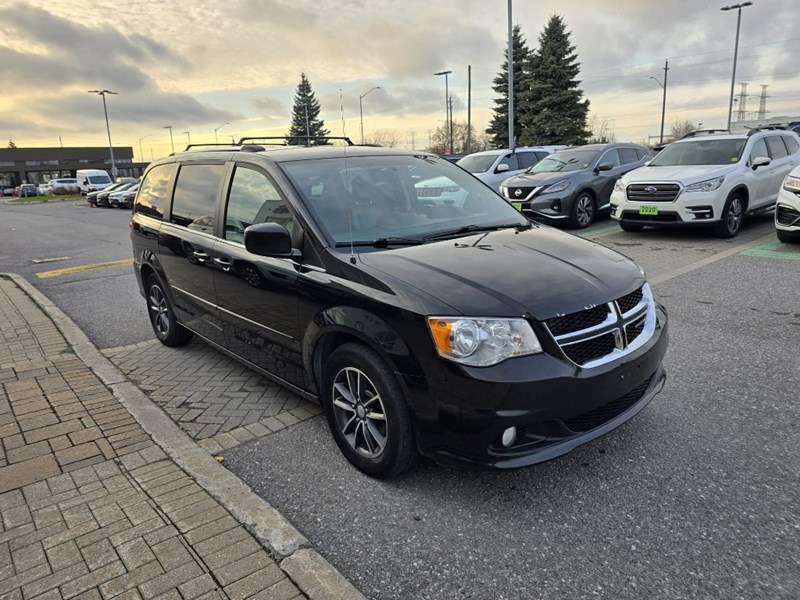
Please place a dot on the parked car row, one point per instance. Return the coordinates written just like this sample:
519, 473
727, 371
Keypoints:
118, 194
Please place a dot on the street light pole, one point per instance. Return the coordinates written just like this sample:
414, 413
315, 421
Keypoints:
108, 129
188, 138
663, 99
171, 142
141, 154
361, 110
216, 129
447, 125
738, 8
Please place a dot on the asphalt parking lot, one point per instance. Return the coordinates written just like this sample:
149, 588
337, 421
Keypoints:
697, 497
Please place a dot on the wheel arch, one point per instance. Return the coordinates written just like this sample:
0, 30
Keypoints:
745, 193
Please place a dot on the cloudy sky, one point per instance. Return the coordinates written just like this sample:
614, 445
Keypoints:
196, 64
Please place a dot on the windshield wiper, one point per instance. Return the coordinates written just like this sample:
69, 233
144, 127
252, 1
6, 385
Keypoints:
382, 242
467, 229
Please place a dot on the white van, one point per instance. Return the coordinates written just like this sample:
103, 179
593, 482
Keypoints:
92, 180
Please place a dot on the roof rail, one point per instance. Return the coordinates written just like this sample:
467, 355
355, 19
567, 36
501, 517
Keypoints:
697, 132
769, 127
220, 146
286, 139
225, 148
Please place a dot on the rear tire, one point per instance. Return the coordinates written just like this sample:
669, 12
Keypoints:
731, 218
367, 412
162, 317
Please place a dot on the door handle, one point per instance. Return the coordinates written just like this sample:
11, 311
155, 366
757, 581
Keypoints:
200, 255
225, 263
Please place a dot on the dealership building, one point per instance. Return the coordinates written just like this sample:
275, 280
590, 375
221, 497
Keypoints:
40, 165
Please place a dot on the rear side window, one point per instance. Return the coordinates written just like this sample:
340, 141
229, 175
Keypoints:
791, 144
253, 199
776, 146
527, 159
195, 197
628, 155
154, 190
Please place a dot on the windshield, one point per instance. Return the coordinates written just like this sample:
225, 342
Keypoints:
567, 160
379, 198
99, 179
477, 163
700, 152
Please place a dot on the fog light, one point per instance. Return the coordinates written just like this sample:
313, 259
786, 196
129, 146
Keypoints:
509, 437
556, 205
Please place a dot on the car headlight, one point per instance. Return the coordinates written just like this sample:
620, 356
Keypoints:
619, 186
558, 186
480, 342
792, 184
706, 186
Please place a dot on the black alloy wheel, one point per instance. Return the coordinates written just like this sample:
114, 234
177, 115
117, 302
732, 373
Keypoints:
367, 412
732, 215
162, 317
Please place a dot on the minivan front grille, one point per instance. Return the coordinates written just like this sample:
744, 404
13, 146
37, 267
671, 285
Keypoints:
653, 192
603, 414
610, 330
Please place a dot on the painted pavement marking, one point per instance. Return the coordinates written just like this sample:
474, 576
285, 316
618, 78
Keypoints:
80, 269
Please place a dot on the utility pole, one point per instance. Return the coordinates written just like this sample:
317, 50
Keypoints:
663, 98
510, 53
469, 110
450, 107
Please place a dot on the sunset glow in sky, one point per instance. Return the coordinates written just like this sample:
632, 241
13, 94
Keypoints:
198, 64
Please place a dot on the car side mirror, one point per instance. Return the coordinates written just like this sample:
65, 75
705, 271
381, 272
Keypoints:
647, 162
760, 161
269, 239
501, 168
606, 166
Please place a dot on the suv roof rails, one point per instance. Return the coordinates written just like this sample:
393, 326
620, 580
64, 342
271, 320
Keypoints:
284, 139
770, 127
697, 132
225, 147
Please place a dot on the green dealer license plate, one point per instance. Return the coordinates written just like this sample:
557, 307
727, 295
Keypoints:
648, 210
517, 205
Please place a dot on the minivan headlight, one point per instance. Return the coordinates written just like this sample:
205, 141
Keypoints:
558, 186
480, 342
792, 184
706, 186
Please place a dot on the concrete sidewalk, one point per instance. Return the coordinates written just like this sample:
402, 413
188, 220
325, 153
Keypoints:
103, 496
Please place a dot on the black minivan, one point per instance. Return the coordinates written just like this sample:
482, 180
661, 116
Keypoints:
450, 327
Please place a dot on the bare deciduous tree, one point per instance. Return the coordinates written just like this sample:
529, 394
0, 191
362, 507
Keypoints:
388, 138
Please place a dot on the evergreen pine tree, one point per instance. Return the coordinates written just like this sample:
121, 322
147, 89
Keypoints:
306, 124
555, 110
498, 126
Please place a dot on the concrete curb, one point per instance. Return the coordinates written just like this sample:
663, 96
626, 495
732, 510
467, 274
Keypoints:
316, 578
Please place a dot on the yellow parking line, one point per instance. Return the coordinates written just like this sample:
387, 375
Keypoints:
109, 265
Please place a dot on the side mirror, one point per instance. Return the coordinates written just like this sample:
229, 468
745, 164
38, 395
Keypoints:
268, 239
606, 166
760, 161
501, 168
647, 162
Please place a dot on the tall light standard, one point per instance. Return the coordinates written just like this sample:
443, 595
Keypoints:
216, 129
361, 109
738, 8
171, 142
663, 99
447, 124
108, 129
188, 138
141, 154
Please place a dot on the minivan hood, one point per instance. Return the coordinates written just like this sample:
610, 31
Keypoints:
537, 179
540, 271
685, 175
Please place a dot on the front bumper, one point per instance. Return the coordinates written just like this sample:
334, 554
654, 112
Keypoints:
556, 406
553, 207
694, 208
787, 211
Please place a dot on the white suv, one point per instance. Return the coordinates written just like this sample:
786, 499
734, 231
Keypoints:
493, 167
787, 212
707, 178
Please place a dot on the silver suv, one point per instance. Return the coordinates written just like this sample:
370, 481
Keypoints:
708, 178
493, 167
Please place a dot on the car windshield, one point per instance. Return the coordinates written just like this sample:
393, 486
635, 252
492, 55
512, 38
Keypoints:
477, 163
701, 152
390, 199
99, 179
567, 160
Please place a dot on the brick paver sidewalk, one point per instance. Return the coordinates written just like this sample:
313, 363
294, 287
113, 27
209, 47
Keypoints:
90, 506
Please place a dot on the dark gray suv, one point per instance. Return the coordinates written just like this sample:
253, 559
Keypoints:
574, 185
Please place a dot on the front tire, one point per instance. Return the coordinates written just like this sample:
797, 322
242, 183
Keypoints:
162, 317
732, 215
583, 211
367, 412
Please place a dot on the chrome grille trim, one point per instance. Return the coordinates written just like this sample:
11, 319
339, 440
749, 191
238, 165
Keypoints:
643, 192
641, 318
